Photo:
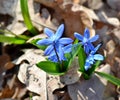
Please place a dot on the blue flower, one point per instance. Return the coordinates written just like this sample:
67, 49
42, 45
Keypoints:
54, 42
92, 57
86, 40
53, 57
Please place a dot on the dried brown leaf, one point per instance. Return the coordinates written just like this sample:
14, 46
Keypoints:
29, 74
7, 92
4, 59
91, 89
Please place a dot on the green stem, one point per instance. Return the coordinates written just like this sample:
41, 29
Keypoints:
24, 37
61, 68
26, 16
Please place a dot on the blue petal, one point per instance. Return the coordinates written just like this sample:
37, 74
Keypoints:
85, 40
52, 53
65, 41
67, 48
95, 49
44, 42
90, 59
61, 54
48, 50
86, 48
87, 66
93, 39
53, 58
78, 36
87, 33
48, 32
98, 57
90, 45
59, 32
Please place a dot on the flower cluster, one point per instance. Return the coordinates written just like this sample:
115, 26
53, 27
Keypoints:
92, 57
86, 40
58, 47
62, 51
89, 49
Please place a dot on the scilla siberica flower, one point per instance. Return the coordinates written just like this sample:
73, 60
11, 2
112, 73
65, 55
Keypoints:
55, 43
65, 49
86, 40
92, 57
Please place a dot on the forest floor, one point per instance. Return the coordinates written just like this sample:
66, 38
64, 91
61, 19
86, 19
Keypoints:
20, 79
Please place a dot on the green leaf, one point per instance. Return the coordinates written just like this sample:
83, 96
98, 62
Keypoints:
50, 67
34, 41
26, 16
109, 77
86, 76
64, 65
12, 40
76, 41
81, 59
72, 55
23, 37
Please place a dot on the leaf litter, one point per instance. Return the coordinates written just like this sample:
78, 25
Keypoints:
102, 19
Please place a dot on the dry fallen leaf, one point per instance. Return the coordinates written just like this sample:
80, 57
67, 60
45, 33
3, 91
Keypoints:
29, 74
3, 60
95, 5
8, 7
72, 75
115, 4
6, 92
92, 89
75, 21
34, 78
110, 20
53, 83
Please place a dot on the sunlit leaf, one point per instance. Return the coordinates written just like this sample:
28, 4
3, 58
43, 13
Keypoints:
109, 77
13, 34
81, 59
26, 16
50, 67
72, 55
12, 40
76, 41
23, 37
